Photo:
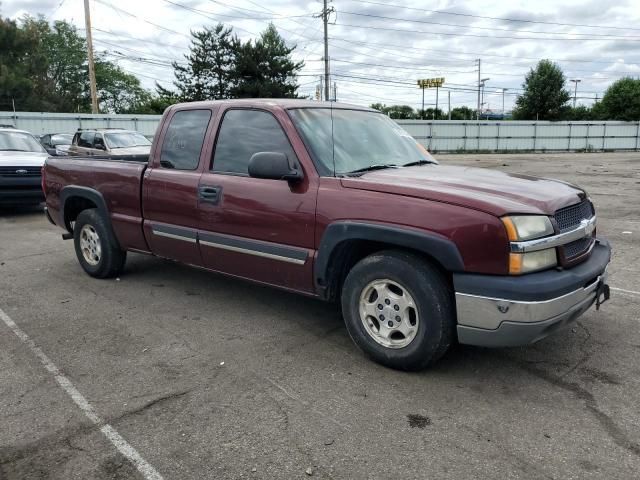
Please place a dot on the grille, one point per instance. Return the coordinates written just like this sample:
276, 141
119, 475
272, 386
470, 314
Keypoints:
570, 217
577, 247
12, 171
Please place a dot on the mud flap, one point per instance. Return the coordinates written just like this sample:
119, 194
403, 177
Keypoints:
603, 293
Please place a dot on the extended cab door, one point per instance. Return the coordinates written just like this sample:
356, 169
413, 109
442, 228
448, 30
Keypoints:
170, 202
257, 228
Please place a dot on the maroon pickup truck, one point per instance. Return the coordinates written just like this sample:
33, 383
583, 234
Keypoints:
338, 202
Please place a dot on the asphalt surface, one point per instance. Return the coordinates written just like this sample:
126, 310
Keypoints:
207, 377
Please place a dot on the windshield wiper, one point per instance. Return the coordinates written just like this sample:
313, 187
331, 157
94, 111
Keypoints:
375, 166
420, 162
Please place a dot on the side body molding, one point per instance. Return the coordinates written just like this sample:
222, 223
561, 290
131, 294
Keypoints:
437, 246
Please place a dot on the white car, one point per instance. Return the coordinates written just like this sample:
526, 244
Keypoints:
21, 160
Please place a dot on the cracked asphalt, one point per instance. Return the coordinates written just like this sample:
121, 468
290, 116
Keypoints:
294, 393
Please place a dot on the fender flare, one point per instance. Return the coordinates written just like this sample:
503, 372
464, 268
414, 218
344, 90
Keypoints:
443, 250
82, 192
89, 194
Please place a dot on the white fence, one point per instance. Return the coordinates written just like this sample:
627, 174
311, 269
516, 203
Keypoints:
39, 123
437, 136
511, 136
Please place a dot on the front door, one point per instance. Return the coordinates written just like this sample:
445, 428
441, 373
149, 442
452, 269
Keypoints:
171, 188
256, 228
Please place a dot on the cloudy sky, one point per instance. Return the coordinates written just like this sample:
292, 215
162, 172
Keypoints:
379, 48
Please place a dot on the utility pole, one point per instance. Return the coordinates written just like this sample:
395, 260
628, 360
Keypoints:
92, 71
478, 111
449, 95
325, 20
482, 82
575, 90
503, 90
435, 115
422, 112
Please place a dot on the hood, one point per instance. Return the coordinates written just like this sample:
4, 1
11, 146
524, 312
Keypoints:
140, 150
22, 159
491, 191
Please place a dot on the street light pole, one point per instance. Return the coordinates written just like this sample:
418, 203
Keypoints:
503, 90
575, 90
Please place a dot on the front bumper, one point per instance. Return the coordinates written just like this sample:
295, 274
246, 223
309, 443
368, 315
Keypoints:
21, 190
501, 311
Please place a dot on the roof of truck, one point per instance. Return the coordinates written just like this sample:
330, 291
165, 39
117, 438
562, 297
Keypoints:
280, 102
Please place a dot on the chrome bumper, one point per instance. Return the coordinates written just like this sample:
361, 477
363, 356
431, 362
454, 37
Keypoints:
495, 322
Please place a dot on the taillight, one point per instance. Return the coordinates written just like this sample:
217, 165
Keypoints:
42, 181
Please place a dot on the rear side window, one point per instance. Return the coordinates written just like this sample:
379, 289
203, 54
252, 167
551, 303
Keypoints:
243, 133
184, 138
86, 139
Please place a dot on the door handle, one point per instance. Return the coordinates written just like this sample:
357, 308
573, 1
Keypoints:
209, 194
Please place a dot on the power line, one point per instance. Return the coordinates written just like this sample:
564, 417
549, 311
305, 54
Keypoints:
370, 15
503, 19
450, 34
459, 52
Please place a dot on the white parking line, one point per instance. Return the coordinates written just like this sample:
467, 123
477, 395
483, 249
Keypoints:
147, 471
632, 292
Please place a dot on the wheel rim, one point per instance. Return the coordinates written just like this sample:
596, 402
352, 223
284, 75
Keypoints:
90, 245
389, 313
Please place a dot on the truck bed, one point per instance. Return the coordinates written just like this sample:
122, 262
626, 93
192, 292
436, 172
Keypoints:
118, 180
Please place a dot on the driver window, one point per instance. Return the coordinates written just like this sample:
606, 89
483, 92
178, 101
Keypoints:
98, 142
243, 133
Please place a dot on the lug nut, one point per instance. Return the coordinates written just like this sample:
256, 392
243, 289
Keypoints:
398, 319
380, 307
396, 308
382, 317
390, 324
387, 301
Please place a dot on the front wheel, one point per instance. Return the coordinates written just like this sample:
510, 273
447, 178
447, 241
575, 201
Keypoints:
96, 249
398, 309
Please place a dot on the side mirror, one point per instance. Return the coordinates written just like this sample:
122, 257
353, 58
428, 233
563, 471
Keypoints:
274, 166
99, 144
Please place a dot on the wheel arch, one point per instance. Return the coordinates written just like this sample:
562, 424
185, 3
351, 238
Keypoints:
345, 243
75, 199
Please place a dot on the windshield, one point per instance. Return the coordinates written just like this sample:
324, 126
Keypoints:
19, 142
126, 140
355, 140
61, 139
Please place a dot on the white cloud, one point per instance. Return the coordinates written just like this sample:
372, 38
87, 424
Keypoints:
447, 46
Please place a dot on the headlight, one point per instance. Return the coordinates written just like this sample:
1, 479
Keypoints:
527, 227
520, 263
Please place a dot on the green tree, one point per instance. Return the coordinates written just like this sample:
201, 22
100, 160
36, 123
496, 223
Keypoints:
207, 73
264, 67
621, 101
57, 65
545, 96
463, 113
156, 103
16, 86
401, 112
43, 67
581, 112
118, 91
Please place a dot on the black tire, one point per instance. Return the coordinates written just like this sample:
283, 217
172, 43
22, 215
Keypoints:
111, 259
431, 295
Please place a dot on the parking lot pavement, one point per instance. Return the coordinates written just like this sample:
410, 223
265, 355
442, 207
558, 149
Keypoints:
209, 377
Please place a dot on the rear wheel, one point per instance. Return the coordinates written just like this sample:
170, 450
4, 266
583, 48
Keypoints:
97, 251
398, 309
